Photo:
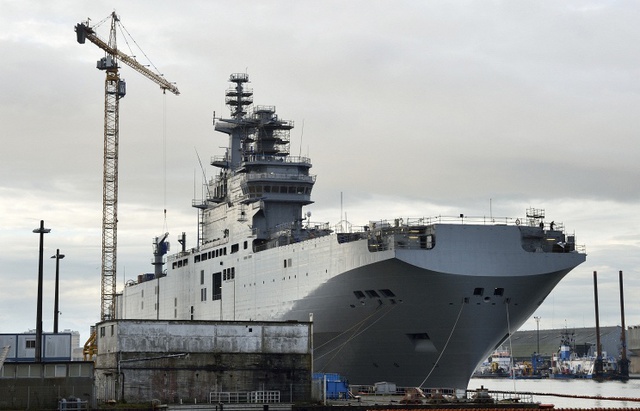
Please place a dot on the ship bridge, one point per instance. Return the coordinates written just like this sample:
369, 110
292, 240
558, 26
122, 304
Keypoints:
256, 169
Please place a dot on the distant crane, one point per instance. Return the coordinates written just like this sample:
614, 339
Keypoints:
114, 90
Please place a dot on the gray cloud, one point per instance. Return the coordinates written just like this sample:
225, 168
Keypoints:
429, 108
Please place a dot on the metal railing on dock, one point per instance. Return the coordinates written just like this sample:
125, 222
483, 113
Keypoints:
244, 397
72, 404
411, 395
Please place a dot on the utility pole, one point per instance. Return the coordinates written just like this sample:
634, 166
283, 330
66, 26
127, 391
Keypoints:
538, 332
56, 311
42, 231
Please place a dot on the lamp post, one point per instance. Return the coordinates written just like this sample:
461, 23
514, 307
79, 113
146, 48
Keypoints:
42, 231
58, 257
538, 332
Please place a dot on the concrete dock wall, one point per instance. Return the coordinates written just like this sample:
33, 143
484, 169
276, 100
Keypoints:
185, 361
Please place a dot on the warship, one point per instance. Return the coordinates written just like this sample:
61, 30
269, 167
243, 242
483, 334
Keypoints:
417, 301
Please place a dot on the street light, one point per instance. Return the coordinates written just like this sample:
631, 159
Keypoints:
42, 231
58, 257
538, 327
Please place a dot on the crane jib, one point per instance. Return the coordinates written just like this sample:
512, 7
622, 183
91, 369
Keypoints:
84, 32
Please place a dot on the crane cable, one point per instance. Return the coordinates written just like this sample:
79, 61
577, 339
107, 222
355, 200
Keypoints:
124, 30
98, 24
164, 157
126, 38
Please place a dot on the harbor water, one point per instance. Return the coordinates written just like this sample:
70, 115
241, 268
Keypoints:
573, 387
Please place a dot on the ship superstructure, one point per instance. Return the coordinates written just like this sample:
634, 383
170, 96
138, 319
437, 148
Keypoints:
419, 302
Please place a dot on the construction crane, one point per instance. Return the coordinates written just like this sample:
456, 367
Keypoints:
114, 90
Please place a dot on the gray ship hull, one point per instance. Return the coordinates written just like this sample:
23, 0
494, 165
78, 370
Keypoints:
433, 332
413, 316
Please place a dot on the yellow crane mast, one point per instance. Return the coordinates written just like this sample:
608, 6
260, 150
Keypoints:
114, 90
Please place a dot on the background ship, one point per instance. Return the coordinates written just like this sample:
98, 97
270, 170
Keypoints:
568, 363
419, 302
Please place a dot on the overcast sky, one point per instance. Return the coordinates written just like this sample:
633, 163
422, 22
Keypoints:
407, 109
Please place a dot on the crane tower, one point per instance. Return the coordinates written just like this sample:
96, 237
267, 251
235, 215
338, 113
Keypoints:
114, 90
